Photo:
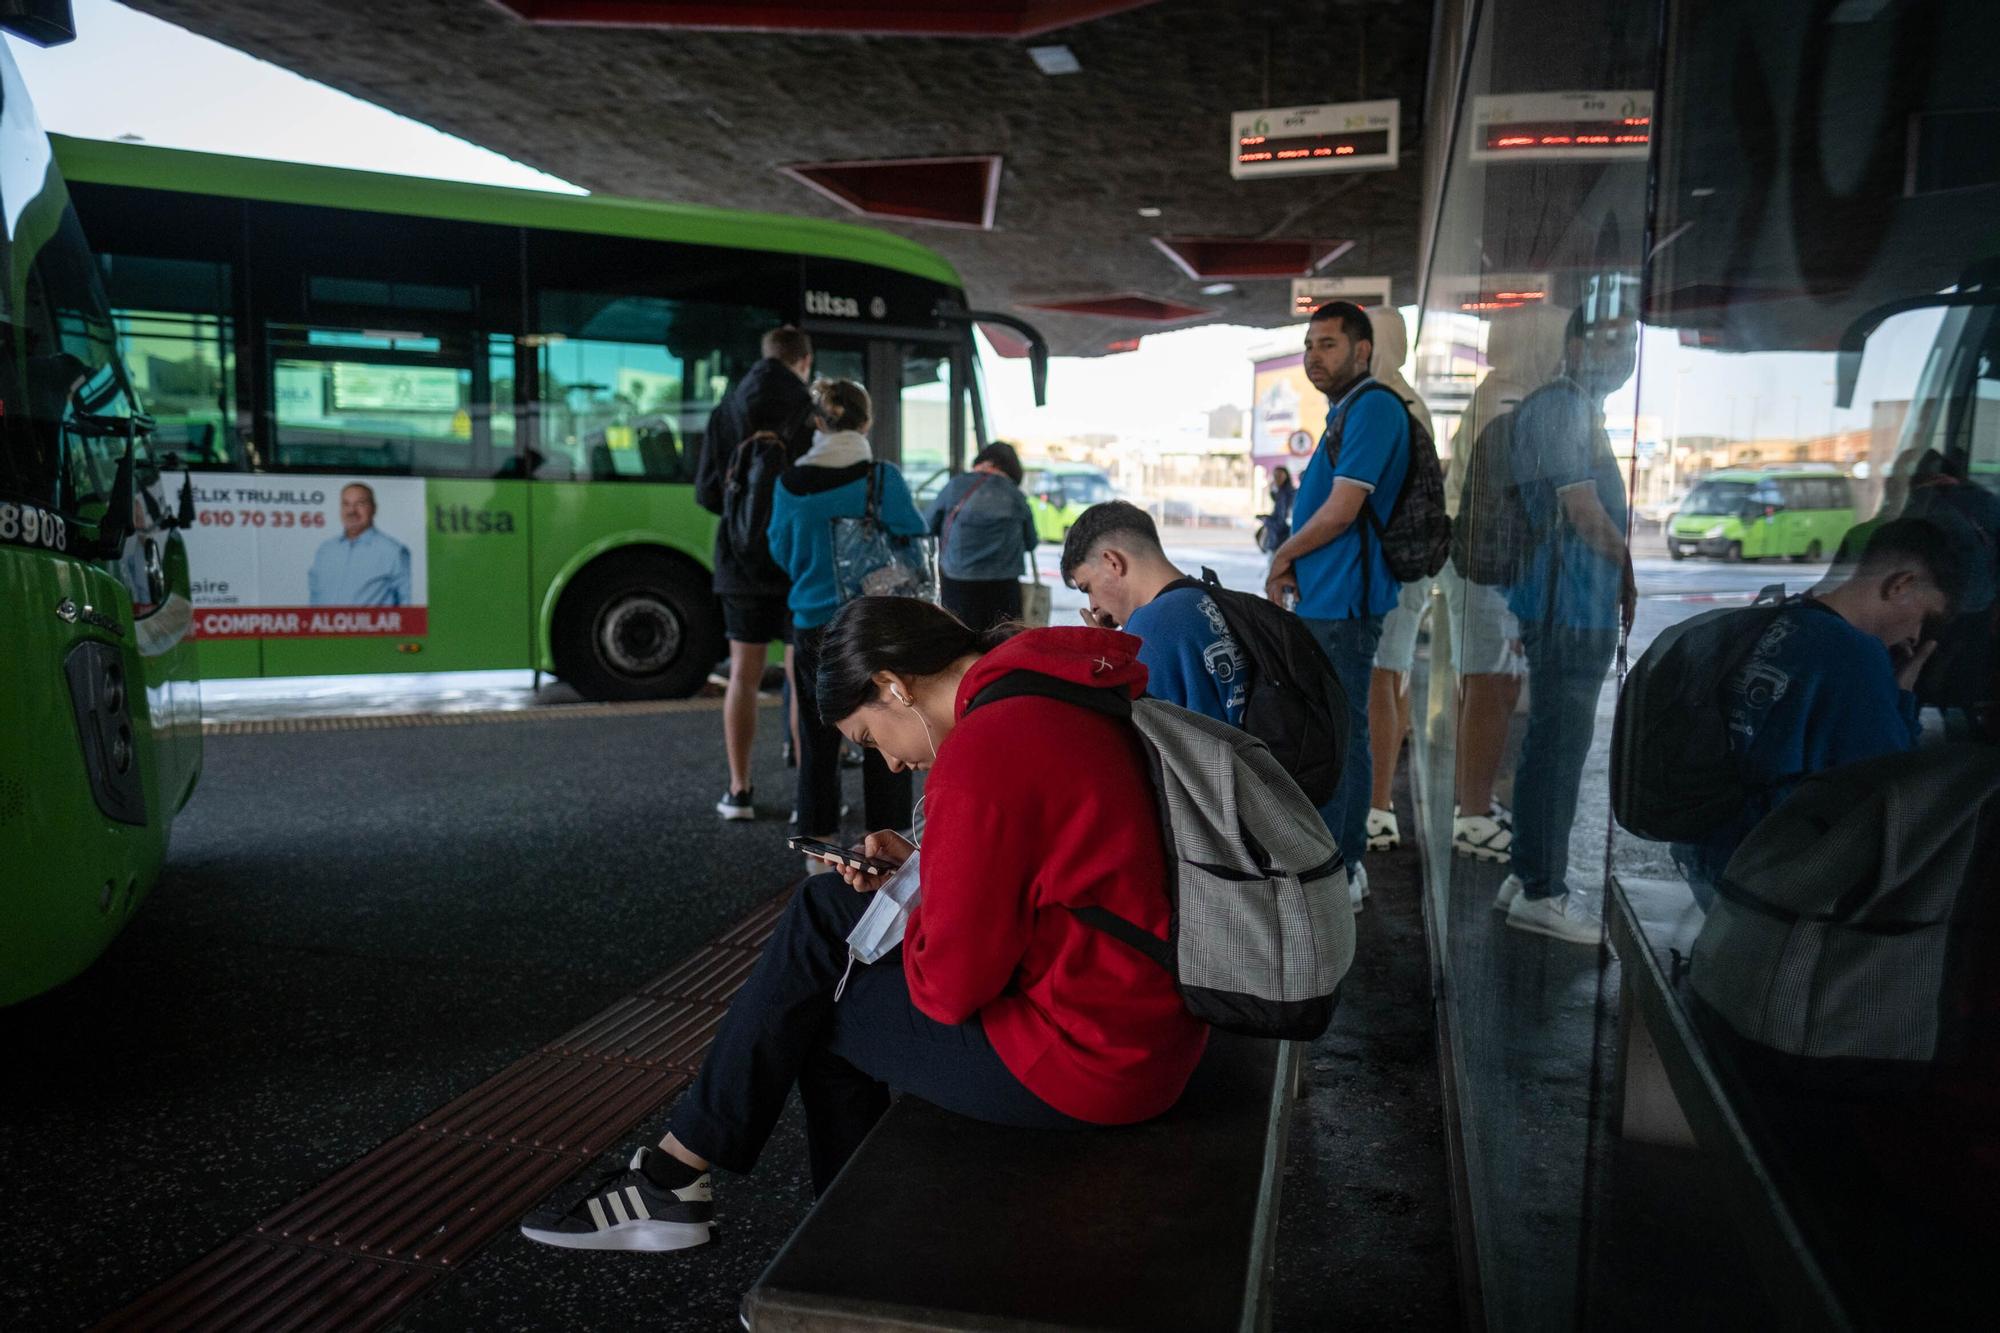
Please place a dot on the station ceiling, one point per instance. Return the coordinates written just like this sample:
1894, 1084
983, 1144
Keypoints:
595, 92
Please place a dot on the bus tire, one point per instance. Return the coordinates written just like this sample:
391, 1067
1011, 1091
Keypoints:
637, 625
1735, 555
1809, 555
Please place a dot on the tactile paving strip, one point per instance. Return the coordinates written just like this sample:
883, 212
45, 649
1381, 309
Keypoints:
353, 1251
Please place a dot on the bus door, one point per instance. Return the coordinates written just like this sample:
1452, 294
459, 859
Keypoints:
390, 532
919, 390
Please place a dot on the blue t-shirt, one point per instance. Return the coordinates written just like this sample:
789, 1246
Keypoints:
373, 569
1374, 440
1559, 442
1191, 658
1815, 694
801, 534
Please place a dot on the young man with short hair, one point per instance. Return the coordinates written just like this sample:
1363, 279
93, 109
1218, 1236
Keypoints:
1830, 682
771, 396
1113, 556
1333, 562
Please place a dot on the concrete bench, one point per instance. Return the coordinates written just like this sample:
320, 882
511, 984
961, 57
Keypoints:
940, 1222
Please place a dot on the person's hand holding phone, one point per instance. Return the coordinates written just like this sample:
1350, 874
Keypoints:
881, 846
1096, 619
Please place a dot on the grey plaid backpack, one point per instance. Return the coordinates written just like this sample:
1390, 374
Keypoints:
1262, 928
1843, 934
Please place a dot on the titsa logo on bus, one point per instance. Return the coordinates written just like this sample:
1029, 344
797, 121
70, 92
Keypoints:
464, 518
826, 303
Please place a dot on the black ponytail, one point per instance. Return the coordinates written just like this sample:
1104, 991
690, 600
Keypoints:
912, 638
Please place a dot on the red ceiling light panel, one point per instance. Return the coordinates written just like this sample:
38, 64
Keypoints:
891, 18
1123, 305
949, 191
1212, 258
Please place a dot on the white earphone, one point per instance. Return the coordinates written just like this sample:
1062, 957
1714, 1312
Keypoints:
901, 698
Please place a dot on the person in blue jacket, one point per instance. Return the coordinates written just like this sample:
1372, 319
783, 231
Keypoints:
1113, 557
1831, 680
831, 481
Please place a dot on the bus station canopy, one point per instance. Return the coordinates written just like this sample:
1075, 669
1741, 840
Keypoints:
1072, 198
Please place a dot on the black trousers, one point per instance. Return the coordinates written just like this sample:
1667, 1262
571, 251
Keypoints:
888, 799
785, 1028
981, 603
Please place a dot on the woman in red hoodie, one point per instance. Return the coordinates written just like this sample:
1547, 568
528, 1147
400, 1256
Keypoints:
1000, 1003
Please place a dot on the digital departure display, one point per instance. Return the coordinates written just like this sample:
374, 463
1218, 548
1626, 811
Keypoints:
1549, 127
1273, 148
1295, 140
1626, 132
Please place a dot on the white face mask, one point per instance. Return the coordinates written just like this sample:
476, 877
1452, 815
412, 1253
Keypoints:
881, 926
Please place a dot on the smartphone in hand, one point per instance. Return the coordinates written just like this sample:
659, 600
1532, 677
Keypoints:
841, 856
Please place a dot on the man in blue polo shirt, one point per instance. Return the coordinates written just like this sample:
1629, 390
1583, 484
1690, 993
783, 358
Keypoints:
1573, 596
1332, 564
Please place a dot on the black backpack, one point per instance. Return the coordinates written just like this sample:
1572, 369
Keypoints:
1673, 776
1493, 536
747, 487
1294, 703
1416, 539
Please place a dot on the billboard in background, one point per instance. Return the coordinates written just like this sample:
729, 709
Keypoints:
298, 557
1286, 413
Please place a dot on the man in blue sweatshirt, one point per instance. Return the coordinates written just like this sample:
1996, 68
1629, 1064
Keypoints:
1113, 556
1830, 681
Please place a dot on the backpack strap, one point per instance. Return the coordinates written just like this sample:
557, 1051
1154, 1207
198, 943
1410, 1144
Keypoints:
944, 536
1111, 703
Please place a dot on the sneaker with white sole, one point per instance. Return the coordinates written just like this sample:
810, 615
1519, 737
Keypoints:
736, 805
627, 1211
1383, 833
1357, 886
1558, 917
1482, 837
1510, 889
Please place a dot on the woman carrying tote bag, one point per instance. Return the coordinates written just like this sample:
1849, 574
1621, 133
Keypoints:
985, 530
832, 482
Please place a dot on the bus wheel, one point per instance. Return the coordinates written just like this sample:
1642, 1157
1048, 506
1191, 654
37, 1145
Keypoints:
1735, 553
1809, 555
636, 627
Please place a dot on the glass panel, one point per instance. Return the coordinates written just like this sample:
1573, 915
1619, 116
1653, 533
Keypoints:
373, 401
1526, 356
626, 383
926, 413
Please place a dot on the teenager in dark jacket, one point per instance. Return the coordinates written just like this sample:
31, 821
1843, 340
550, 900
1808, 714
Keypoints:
999, 1004
771, 396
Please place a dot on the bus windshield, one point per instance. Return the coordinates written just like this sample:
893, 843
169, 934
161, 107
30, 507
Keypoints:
58, 369
1717, 497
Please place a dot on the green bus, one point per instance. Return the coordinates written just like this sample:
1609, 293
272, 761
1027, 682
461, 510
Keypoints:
99, 702
1749, 514
437, 426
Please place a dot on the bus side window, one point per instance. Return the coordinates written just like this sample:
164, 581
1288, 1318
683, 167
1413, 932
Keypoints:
177, 338
626, 383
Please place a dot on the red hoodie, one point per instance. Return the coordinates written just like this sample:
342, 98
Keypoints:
1034, 806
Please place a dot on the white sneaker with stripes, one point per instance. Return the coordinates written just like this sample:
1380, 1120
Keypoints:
627, 1211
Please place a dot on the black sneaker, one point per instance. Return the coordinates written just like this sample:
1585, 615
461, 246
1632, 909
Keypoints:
736, 805
628, 1211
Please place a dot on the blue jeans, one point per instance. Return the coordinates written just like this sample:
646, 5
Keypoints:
1351, 645
784, 1028
1566, 670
